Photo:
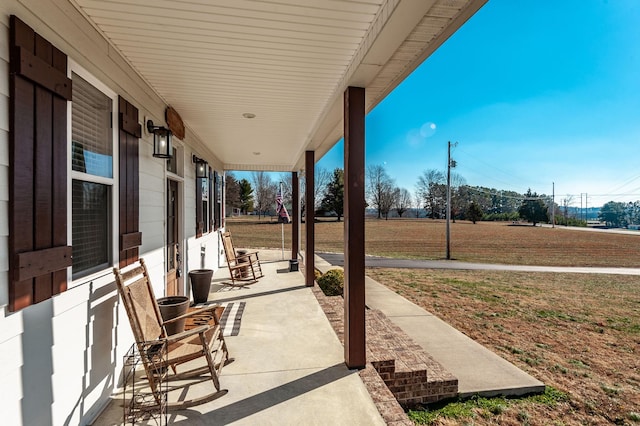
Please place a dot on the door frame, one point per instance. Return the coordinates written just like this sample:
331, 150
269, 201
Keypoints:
179, 179
178, 239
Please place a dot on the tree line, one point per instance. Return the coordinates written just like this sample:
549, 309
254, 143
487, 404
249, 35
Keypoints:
429, 199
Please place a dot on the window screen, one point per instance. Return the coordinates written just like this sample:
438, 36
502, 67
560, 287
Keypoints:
91, 226
92, 138
92, 162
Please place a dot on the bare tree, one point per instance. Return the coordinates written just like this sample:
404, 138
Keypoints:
380, 189
418, 204
403, 201
431, 188
321, 179
287, 188
566, 202
388, 199
264, 191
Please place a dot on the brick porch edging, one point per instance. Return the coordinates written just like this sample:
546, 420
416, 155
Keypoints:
398, 370
386, 403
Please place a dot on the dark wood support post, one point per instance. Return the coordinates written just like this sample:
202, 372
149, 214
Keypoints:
309, 221
295, 215
354, 206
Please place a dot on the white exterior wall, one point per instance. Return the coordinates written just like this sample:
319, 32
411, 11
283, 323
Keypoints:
62, 358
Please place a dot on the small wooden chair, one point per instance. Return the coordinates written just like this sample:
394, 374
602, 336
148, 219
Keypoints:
243, 265
202, 338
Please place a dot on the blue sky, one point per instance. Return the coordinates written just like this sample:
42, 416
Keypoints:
535, 92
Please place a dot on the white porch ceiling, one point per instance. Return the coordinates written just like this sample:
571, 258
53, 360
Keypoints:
286, 61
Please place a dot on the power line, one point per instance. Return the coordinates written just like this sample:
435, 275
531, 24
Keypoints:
510, 175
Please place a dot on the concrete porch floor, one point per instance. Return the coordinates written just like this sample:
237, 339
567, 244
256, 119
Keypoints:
289, 364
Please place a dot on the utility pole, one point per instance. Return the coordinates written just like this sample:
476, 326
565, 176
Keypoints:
586, 208
553, 204
450, 163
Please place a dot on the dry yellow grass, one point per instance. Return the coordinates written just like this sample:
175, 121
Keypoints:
579, 333
485, 242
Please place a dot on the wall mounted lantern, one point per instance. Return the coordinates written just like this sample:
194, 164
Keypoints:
161, 140
202, 168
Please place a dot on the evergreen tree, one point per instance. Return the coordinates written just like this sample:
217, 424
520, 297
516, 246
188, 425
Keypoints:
533, 208
474, 212
613, 214
246, 196
334, 196
232, 192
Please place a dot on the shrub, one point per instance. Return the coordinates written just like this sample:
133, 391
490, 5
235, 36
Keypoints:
332, 282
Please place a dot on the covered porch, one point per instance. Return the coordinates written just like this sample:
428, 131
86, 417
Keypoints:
242, 85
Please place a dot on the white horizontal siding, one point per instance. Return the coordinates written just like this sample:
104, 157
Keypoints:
4, 43
4, 193
66, 353
4, 146
4, 112
4, 69
11, 408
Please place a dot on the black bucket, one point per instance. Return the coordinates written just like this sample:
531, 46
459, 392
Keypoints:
293, 265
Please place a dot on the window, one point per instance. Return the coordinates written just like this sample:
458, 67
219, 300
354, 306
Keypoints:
205, 203
172, 163
217, 209
204, 184
92, 177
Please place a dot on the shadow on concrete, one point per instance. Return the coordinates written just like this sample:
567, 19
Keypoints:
249, 296
267, 399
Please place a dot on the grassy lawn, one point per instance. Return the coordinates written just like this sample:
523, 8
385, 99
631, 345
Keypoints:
486, 242
578, 333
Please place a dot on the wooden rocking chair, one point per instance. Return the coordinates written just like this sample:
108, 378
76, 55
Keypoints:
158, 351
243, 265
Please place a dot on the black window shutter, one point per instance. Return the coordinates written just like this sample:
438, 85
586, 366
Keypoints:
39, 91
212, 200
130, 132
199, 211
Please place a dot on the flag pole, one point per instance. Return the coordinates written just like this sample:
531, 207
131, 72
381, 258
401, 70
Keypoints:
282, 222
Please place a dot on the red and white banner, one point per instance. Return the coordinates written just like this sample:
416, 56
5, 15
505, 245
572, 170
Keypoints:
281, 210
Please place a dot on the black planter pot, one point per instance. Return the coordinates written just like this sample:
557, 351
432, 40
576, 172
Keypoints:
172, 307
200, 284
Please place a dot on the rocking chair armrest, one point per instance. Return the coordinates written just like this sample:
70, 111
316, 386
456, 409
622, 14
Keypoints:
202, 310
247, 255
210, 308
187, 333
